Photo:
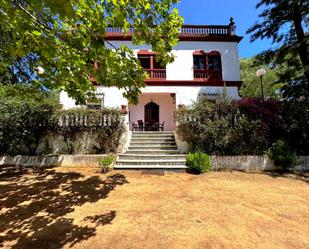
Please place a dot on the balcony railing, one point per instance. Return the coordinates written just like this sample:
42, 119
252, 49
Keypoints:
205, 30
156, 73
208, 74
188, 30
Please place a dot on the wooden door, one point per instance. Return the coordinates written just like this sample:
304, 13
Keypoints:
151, 117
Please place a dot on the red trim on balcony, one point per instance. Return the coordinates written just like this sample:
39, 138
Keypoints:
199, 52
195, 38
196, 82
146, 52
214, 74
219, 33
156, 73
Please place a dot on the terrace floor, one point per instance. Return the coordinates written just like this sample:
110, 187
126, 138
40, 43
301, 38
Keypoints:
60, 208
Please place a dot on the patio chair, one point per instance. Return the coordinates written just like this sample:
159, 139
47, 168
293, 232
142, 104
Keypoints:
134, 126
140, 125
161, 126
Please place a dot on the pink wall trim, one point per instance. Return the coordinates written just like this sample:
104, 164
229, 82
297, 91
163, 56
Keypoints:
167, 109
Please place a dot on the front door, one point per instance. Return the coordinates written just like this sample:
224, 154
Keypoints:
151, 117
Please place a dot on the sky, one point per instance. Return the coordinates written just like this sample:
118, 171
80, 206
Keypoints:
218, 12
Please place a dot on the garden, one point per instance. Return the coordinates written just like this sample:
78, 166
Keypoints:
33, 123
250, 126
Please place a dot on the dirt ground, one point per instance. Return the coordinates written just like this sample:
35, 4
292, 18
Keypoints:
82, 208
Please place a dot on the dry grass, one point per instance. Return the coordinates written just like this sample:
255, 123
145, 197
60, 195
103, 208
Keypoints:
86, 209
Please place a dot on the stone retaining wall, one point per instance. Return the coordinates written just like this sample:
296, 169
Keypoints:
52, 161
254, 163
243, 163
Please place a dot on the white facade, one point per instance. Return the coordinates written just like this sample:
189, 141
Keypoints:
168, 97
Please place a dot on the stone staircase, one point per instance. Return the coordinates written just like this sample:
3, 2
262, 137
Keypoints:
152, 150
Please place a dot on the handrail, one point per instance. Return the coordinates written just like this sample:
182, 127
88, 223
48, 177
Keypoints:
214, 74
156, 73
186, 30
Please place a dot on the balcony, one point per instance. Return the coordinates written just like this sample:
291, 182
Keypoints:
186, 33
215, 75
185, 30
156, 74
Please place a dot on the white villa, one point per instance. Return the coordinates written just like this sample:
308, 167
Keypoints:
206, 62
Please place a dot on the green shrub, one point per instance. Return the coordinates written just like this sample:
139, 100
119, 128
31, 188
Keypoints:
22, 123
107, 162
281, 154
244, 127
198, 162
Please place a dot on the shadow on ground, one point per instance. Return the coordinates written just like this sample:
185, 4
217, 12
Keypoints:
34, 205
302, 176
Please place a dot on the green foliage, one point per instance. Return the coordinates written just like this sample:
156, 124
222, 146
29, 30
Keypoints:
65, 38
286, 23
281, 154
294, 125
247, 126
28, 117
251, 84
22, 123
107, 162
198, 162
28, 93
220, 128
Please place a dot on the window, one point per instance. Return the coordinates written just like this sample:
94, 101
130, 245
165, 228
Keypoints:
95, 103
149, 62
199, 62
207, 65
151, 65
145, 61
214, 63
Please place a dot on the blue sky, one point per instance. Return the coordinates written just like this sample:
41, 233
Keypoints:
218, 12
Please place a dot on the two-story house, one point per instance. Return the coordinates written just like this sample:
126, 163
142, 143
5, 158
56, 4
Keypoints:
206, 63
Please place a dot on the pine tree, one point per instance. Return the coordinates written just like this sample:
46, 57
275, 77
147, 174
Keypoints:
286, 23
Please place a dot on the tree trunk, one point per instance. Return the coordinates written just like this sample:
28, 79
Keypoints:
303, 48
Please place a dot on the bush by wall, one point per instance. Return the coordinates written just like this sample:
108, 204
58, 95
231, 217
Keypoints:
22, 123
198, 162
282, 155
35, 125
248, 126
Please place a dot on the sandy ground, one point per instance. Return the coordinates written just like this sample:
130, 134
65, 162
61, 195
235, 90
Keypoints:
87, 209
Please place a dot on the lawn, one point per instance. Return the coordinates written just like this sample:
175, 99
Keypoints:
60, 208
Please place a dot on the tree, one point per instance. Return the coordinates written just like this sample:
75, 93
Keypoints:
68, 37
251, 84
286, 23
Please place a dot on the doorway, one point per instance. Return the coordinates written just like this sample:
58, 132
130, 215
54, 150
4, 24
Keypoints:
152, 116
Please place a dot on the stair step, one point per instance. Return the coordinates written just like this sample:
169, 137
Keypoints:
152, 152
153, 144
151, 156
156, 147
152, 132
152, 167
152, 135
152, 139
151, 162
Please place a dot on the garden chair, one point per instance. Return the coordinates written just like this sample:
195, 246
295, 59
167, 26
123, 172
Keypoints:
134, 126
161, 126
140, 125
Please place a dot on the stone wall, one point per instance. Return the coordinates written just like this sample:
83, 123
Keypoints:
243, 163
254, 163
52, 161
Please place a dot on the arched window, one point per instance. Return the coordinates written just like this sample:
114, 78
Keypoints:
207, 65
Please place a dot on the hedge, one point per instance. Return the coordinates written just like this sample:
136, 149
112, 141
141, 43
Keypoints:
244, 127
